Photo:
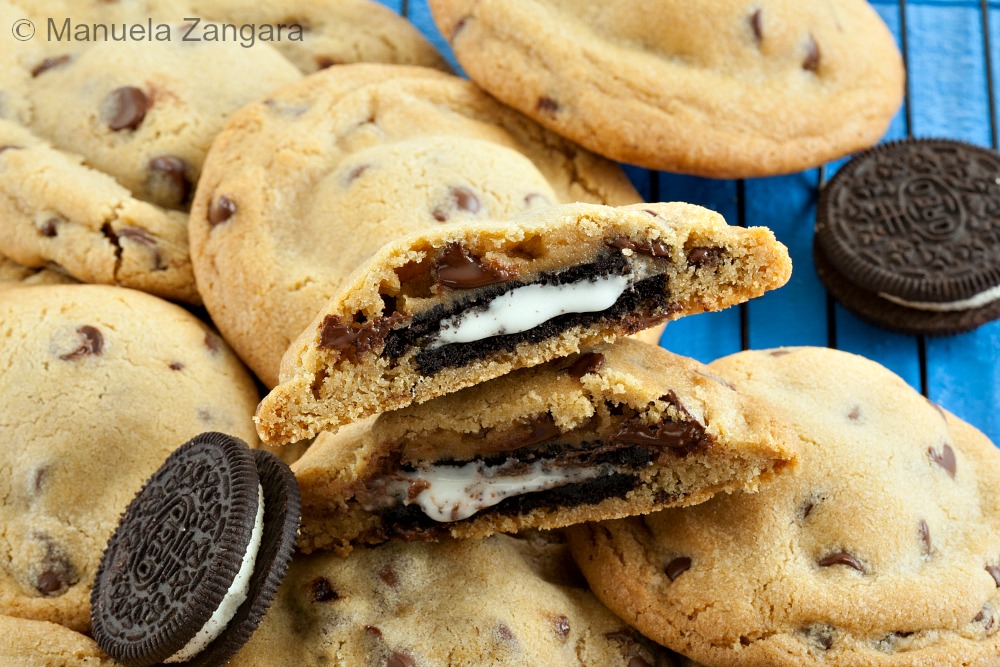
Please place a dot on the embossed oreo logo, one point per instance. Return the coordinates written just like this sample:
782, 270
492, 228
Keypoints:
931, 208
165, 551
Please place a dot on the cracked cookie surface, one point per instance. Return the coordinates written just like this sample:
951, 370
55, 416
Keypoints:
99, 385
721, 88
499, 601
354, 157
882, 549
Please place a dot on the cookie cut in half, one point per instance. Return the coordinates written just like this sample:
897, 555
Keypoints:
614, 431
908, 236
881, 549
198, 556
441, 310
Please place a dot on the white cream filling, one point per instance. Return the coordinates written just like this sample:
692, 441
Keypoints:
975, 301
458, 492
235, 596
526, 307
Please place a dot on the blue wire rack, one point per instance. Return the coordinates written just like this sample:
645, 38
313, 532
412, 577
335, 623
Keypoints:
950, 50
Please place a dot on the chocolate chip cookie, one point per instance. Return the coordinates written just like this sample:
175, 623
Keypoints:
716, 88
99, 385
498, 601
882, 549
59, 211
335, 32
27, 643
617, 430
460, 304
354, 157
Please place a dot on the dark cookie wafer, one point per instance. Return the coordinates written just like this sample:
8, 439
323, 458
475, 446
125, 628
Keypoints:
884, 313
180, 546
907, 233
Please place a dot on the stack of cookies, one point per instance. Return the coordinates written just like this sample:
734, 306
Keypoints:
445, 300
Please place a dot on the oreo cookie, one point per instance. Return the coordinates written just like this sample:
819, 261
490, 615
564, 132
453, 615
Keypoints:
908, 236
197, 557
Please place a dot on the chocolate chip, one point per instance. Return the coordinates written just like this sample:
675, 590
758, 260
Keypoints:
986, 617
811, 62
322, 591
221, 210
561, 623
841, 558
653, 247
168, 178
324, 62
677, 567
807, 509
638, 661
546, 104
9, 147
460, 198
212, 342
50, 228
373, 631
355, 173
587, 363
176, 366
398, 659
925, 536
388, 575
57, 572
505, 634
335, 334
855, 413
124, 108
91, 343
683, 436
48, 64
756, 24
779, 353
462, 22
39, 481
457, 269
994, 571
945, 459
205, 415
705, 257
140, 236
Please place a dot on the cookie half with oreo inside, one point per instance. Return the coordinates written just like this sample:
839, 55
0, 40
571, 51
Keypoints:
438, 311
614, 431
197, 557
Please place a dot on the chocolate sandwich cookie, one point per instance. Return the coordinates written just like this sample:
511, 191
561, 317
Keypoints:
357, 156
908, 236
617, 430
721, 88
197, 557
881, 549
460, 304
99, 385
500, 601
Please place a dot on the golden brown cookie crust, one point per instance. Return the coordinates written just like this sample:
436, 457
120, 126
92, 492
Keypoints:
410, 148
881, 550
726, 442
724, 89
